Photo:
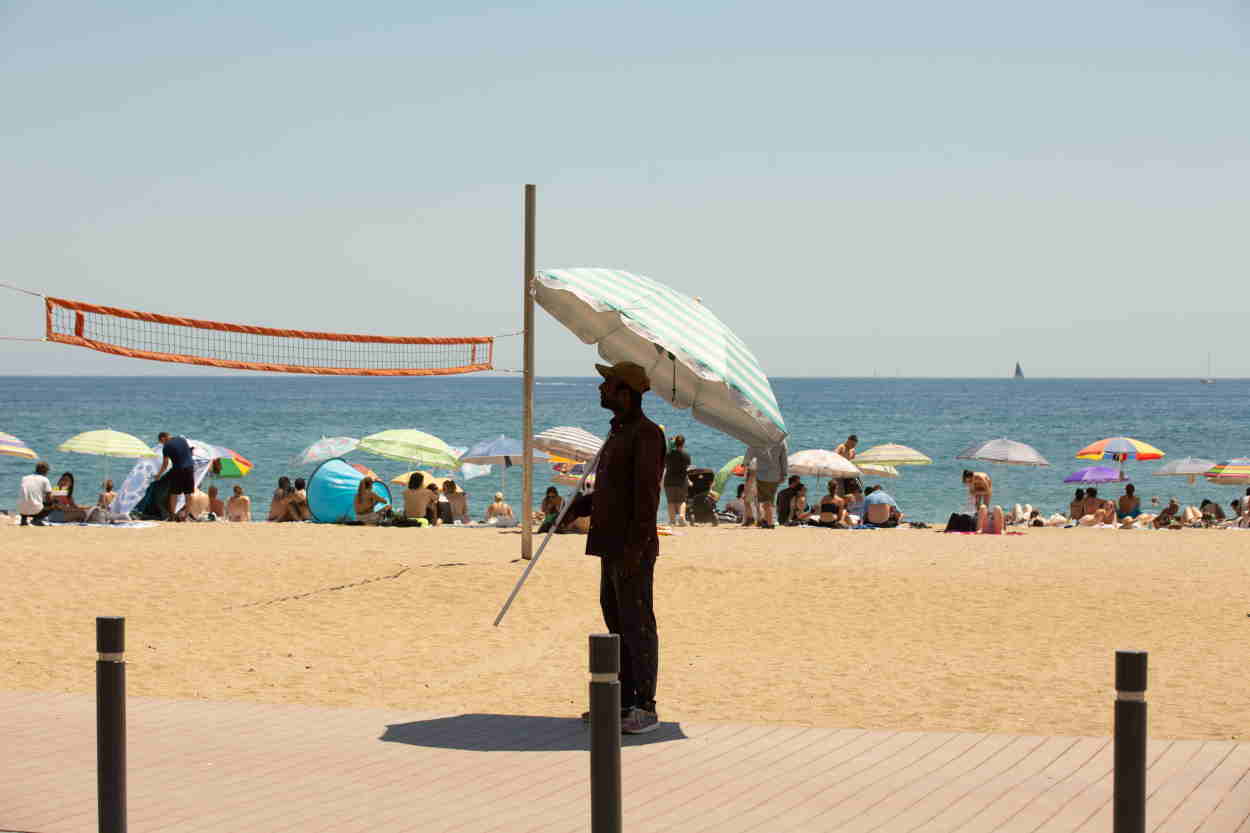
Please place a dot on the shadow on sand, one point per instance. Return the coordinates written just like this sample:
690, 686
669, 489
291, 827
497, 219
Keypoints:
512, 733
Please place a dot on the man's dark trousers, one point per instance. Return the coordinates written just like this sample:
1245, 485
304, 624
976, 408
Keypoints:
628, 610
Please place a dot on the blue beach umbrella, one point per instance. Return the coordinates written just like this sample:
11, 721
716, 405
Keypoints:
502, 451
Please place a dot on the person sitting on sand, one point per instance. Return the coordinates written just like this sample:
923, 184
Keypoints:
1170, 513
279, 505
64, 509
737, 506
880, 509
1076, 509
1129, 503
551, 506
215, 504
418, 502
1211, 511
239, 507
457, 500
365, 503
854, 501
106, 496
832, 509
195, 507
500, 513
297, 503
800, 511
980, 487
1098, 512
991, 520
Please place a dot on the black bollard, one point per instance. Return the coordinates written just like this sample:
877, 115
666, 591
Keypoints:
1129, 798
605, 733
110, 722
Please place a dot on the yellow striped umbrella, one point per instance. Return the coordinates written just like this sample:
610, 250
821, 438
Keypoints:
14, 447
108, 443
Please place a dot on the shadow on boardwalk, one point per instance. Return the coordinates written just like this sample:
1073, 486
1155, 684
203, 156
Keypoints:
512, 733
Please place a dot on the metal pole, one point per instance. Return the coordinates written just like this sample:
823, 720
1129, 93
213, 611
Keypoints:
110, 694
605, 733
1129, 795
527, 413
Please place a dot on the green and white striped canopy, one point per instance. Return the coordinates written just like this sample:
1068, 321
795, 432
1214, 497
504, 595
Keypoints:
694, 360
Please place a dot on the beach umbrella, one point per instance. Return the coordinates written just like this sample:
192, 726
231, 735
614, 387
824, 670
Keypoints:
1119, 448
1096, 474
412, 446
722, 476
14, 447
1233, 472
107, 443
324, 449
816, 462
427, 477
692, 359
569, 442
892, 454
878, 470
502, 451
1189, 467
230, 463
1005, 451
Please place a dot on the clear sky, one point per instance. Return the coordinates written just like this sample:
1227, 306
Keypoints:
931, 189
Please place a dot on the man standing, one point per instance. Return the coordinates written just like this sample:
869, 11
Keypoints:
676, 485
36, 490
177, 454
847, 449
980, 488
622, 511
771, 467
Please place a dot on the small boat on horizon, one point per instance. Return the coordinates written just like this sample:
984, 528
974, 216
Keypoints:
1209, 379
1019, 374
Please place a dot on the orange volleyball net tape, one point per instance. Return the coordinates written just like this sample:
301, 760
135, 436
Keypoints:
167, 338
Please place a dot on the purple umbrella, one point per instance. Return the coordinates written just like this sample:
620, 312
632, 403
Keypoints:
1096, 474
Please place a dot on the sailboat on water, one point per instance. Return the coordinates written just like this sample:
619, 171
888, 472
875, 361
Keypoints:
1019, 374
1209, 380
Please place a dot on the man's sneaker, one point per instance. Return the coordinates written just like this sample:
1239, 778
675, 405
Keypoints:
624, 714
639, 721
37, 522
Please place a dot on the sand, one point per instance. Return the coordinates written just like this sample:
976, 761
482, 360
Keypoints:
889, 629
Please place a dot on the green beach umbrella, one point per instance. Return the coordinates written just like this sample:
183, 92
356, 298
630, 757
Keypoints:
722, 476
411, 446
692, 359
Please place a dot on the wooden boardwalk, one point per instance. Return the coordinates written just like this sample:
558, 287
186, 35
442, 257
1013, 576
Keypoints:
200, 766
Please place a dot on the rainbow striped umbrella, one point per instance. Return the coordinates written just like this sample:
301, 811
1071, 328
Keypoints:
14, 447
1233, 472
230, 463
1119, 448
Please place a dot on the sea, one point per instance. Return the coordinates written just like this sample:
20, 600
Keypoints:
270, 419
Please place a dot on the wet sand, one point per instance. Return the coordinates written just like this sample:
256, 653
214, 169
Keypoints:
888, 629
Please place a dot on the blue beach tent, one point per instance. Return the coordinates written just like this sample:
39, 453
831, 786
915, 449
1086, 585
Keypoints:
332, 491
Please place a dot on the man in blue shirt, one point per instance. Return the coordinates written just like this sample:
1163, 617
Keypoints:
177, 454
880, 509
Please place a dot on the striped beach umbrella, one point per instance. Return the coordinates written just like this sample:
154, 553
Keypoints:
692, 359
816, 462
569, 441
230, 463
1233, 472
14, 447
108, 443
878, 470
1119, 448
892, 454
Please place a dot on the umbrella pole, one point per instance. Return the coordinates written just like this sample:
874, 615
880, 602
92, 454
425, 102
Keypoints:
559, 519
527, 411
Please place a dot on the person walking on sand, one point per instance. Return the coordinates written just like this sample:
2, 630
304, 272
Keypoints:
772, 466
980, 488
622, 509
176, 452
676, 483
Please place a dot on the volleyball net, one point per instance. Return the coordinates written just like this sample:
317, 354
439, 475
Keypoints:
167, 338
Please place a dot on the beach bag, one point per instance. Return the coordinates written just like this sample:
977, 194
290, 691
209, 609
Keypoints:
959, 522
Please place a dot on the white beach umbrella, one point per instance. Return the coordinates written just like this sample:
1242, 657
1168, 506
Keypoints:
570, 442
692, 359
878, 470
816, 462
1190, 467
1005, 451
